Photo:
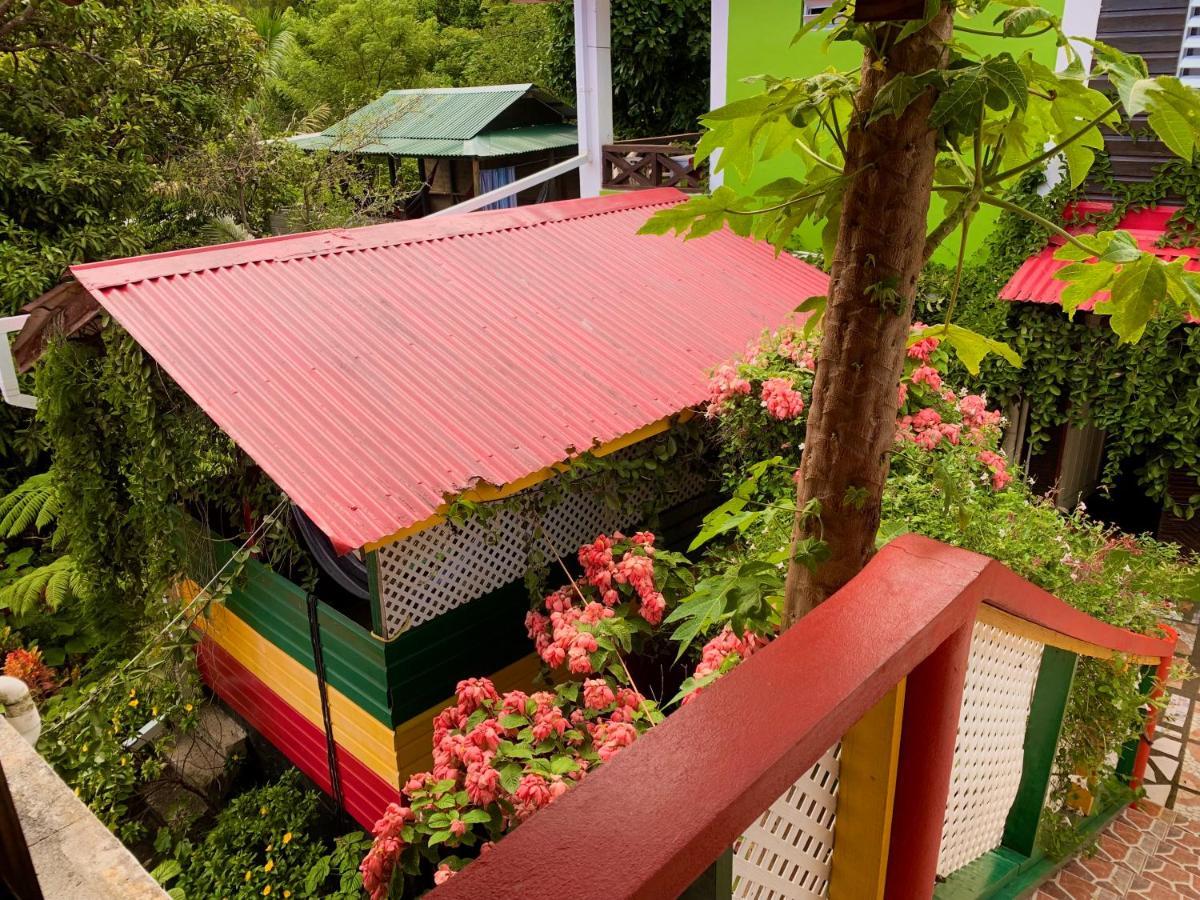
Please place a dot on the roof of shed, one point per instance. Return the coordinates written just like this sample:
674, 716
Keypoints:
443, 122
1034, 281
375, 372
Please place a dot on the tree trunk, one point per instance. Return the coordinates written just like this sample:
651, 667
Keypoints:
879, 254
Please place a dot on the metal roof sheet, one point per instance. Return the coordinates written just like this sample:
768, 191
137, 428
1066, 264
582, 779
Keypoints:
374, 372
1034, 281
505, 142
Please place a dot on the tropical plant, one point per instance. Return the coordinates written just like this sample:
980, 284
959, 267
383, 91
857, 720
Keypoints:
971, 124
498, 759
660, 65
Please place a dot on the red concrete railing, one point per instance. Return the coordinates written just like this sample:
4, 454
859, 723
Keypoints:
652, 820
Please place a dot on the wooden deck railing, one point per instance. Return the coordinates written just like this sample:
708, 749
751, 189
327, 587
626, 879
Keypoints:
666, 161
873, 681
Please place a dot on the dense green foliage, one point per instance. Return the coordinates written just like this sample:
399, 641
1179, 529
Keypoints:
660, 55
1146, 397
271, 841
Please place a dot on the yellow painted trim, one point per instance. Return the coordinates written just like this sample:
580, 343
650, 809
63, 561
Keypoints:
485, 493
866, 793
355, 730
998, 618
414, 737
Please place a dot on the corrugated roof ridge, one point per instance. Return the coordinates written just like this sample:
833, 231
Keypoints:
469, 89
492, 221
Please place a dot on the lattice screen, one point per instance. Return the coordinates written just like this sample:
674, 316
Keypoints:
435, 570
788, 853
989, 752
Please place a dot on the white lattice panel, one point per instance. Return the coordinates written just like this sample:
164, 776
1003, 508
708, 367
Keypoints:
787, 854
435, 570
989, 752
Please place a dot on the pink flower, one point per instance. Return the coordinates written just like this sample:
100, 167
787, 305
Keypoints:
417, 782
443, 873
652, 608
926, 418
901, 395
482, 783
532, 794
780, 399
927, 375
514, 702
999, 466
458, 827
723, 385
923, 348
474, 692
597, 694
486, 735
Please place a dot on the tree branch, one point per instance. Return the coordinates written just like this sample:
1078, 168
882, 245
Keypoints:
1054, 151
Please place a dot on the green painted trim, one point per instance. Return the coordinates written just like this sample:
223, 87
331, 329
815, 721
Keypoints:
1004, 874
425, 663
1129, 751
715, 882
373, 588
1055, 676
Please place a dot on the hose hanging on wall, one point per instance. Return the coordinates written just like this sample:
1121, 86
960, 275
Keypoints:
314, 630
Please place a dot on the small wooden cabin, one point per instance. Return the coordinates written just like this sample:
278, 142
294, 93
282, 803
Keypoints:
1073, 459
377, 375
466, 141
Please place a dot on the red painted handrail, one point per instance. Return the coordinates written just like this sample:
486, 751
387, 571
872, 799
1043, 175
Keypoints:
649, 822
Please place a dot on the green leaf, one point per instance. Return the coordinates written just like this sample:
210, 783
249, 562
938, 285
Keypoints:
1137, 291
438, 837
1003, 72
815, 307
510, 777
969, 346
476, 816
959, 103
513, 720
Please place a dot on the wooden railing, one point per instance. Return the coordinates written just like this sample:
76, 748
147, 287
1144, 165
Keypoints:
878, 671
666, 161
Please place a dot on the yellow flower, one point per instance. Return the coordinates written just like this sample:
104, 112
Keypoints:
266, 890
287, 837
287, 893
133, 702
132, 693
269, 866
248, 874
270, 848
262, 811
154, 710
187, 707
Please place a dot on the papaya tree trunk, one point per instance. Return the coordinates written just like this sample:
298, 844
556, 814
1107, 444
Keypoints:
873, 278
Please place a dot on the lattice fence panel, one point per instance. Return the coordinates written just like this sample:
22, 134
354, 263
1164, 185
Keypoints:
788, 853
989, 752
440, 568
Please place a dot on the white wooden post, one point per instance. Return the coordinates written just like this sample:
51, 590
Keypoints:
593, 89
10, 389
718, 75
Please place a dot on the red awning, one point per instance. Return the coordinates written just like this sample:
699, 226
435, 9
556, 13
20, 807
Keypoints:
1034, 282
373, 372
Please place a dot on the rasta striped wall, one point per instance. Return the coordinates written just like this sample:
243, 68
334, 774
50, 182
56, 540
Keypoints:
256, 654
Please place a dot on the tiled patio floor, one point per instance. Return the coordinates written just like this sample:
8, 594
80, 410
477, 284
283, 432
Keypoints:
1153, 850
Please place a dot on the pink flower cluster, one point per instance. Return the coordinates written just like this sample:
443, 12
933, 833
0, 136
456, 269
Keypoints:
999, 466
723, 385
796, 349
725, 645
781, 399
380, 862
975, 414
922, 349
926, 429
557, 635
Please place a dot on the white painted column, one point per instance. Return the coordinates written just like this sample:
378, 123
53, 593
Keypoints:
1080, 19
10, 389
593, 89
718, 74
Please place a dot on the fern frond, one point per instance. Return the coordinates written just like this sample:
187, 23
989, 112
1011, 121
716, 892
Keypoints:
225, 230
34, 502
53, 584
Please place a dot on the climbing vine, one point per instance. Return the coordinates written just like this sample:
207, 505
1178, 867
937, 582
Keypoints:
133, 455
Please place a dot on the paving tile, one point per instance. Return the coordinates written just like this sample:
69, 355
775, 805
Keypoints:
1173, 876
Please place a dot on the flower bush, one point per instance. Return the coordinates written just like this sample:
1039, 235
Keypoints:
591, 624
498, 759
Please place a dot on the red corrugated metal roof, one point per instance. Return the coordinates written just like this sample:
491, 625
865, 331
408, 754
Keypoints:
1034, 282
372, 372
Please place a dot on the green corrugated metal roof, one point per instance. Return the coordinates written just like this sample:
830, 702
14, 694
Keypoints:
490, 143
441, 122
